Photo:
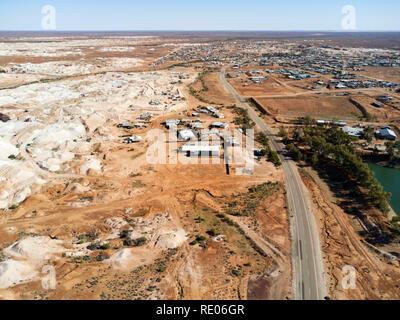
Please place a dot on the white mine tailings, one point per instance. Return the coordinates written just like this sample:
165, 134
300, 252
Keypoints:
54, 126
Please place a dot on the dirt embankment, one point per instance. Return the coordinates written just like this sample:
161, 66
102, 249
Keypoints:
376, 277
360, 107
256, 247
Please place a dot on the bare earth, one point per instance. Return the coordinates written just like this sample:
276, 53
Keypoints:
115, 225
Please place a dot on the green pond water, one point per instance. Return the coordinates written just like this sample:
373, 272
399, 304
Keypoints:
389, 178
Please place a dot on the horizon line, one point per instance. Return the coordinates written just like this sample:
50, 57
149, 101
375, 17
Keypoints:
200, 30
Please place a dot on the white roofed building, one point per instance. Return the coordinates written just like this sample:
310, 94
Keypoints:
386, 134
352, 131
198, 150
186, 135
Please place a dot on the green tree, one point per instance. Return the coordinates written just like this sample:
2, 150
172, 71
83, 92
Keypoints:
335, 146
314, 159
283, 133
368, 134
390, 149
274, 158
262, 138
294, 152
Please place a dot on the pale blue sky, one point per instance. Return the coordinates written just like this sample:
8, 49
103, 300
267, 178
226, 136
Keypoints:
200, 14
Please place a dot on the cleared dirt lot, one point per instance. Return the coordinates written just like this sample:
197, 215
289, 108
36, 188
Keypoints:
388, 74
390, 111
207, 90
322, 106
271, 86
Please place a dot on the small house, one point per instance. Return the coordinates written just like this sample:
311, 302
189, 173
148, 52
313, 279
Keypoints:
141, 125
145, 116
258, 152
125, 125
133, 139
186, 135
171, 123
155, 102
218, 115
218, 124
377, 105
386, 134
197, 125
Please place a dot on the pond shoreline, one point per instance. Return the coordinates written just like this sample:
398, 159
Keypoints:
381, 161
389, 178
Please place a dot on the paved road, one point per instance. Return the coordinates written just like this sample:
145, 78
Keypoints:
308, 271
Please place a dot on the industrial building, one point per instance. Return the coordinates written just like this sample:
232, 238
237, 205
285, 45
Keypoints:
198, 150
231, 142
353, 131
386, 133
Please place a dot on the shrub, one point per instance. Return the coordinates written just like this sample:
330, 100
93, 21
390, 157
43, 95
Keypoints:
282, 132
91, 235
236, 273
105, 246
212, 232
138, 184
262, 139
93, 246
124, 234
101, 257
87, 198
199, 219
135, 243
396, 219
161, 268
